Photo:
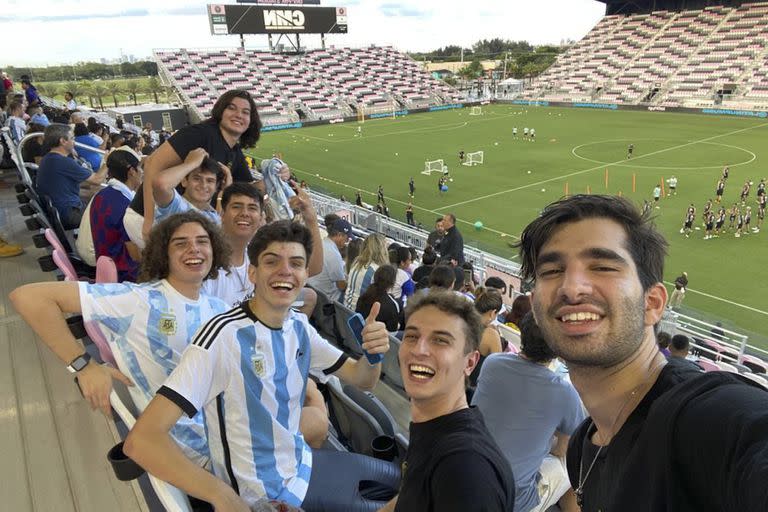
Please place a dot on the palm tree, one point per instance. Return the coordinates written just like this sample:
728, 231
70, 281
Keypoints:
133, 87
75, 88
154, 86
99, 91
114, 87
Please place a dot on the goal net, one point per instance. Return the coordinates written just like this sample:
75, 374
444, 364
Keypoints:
376, 112
475, 158
431, 166
476, 111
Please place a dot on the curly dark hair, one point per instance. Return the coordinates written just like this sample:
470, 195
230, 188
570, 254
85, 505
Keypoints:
279, 231
249, 138
154, 258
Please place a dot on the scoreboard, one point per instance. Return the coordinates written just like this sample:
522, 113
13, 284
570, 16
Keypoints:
226, 19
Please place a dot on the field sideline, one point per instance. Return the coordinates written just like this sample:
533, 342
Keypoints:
576, 147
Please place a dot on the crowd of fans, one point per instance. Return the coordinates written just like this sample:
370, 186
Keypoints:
209, 328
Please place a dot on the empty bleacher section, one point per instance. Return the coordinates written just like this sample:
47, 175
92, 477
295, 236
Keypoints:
668, 58
319, 84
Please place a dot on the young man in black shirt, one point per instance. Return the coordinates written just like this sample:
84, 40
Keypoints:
660, 437
234, 125
452, 464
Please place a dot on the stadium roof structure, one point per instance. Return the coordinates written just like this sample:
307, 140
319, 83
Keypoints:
645, 6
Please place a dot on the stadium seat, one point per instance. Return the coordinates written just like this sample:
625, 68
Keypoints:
348, 341
170, 497
708, 366
323, 317
356, 426
391, 366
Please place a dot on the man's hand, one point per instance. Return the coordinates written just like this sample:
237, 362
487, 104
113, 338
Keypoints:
227, 176
230, 502
375, 334
302, 203
195, 157
95, 383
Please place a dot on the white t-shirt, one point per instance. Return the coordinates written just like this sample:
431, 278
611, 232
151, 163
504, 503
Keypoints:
233, 288
148, 326
333, 271
252, 380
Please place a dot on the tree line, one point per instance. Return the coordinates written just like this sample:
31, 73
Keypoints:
84, 71
99, 92
522, 59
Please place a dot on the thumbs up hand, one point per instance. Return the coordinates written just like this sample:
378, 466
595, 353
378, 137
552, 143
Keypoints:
375, 335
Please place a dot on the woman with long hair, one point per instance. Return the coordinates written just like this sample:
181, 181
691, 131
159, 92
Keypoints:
372, 256
391, 309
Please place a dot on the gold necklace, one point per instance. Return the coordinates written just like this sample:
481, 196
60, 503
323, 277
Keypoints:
579, 491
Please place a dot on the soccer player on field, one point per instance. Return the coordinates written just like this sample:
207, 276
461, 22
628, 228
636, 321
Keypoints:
411, 186
672, 185
688, 224
709, 224
514, 132
461, 156
732, 213
630, 150
761, 188
533, 134
739, 223
747, 219
656, 195
706, 212
726, 172
745, 191
760, 212
720, 220
525, 133
720, 189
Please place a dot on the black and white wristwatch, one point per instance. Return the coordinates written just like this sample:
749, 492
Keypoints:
79, 363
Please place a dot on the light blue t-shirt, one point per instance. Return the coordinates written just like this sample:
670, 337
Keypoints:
148, 326
524, 404
180, 205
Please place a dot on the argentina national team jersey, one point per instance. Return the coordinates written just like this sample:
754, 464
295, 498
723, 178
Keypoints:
148, 326
251, 381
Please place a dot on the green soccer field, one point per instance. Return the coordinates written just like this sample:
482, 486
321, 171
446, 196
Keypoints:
574, 148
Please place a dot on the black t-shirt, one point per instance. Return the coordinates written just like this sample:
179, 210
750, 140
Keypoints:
32, 148
207, 135
391, 312
453, 465
696, 442
422, 272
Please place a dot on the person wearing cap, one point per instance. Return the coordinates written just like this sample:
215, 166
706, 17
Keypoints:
333, 279
101, 230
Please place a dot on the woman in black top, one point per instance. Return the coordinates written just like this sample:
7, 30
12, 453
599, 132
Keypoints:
391, 312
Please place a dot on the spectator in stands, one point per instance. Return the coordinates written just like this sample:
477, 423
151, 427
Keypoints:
332, 281
436, 236
146, 325
372, 255
264, 397
498, 284
678, 294
452, 461
101, 230
404, 285
421, 274
32, 152
452, 245
5, 90
351, 252
391, 309
442, 277
242, 214
15, 122
488, 303
84, 137
525, 405
36, 115
116, 140
597, 269
154, 139
59, 176
69, 101
234, 125
30, 92
717, 332
679, 349
520, 307
7, 82
200, 176
662, 340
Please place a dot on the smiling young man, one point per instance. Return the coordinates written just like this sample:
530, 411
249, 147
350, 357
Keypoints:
248, 368
597, 266
452, 464
147, 326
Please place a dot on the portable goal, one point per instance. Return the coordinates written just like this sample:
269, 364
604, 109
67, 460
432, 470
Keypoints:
475, 158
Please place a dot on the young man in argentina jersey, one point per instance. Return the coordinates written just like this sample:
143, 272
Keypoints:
147, 325
248, 368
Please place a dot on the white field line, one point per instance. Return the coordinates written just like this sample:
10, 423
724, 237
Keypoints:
750, 308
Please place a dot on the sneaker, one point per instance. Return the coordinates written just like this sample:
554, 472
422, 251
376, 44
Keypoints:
8, 250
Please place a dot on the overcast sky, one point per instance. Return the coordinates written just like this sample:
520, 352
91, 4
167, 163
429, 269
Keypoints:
39, 32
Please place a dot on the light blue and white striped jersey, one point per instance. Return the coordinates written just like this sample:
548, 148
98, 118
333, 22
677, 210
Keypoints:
360, 278
251, 380
180, 205
148, 326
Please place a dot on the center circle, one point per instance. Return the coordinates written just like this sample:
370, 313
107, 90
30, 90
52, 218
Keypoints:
661, 147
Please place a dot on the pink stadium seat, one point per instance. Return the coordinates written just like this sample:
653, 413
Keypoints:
708, 366
106, 271
62, 261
